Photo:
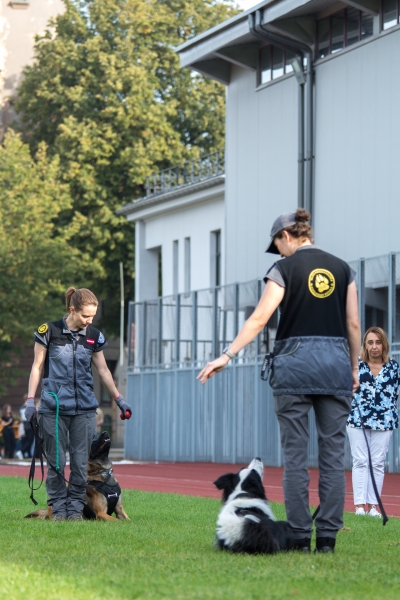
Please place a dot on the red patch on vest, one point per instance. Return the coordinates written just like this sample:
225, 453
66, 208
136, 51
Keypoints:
89, 341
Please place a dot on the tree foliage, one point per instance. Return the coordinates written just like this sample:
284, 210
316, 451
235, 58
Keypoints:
35, 264
107, 96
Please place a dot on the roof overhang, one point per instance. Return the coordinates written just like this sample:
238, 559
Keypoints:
231, 43
197, 193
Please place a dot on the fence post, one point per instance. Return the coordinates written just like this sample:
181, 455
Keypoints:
194, 328
361, 293
215, 332
131, 308
235, 310
144, 332
177, 330
159, 331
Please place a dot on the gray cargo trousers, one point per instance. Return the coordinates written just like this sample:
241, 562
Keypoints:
79, 429
331, 413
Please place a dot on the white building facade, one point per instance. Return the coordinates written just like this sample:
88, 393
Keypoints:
313, 97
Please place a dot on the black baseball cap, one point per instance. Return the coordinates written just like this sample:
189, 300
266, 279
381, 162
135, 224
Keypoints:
285, 220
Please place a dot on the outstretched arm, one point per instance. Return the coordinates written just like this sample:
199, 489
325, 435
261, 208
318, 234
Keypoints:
269, 302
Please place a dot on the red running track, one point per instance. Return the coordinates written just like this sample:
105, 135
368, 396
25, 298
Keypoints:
195, 479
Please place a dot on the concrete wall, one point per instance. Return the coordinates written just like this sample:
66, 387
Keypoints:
357, 199
195, 221
261, 168
18, 27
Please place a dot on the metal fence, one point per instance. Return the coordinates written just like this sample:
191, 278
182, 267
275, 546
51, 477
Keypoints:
231, 418
192, 171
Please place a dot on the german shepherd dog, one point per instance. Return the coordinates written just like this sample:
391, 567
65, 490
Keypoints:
103, 493
246, 522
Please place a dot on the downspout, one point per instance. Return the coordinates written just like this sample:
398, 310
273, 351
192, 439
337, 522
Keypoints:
305, 168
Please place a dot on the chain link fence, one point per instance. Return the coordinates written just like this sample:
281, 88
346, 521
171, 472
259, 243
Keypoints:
232, 418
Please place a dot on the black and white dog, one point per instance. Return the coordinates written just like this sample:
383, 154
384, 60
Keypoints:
246, 522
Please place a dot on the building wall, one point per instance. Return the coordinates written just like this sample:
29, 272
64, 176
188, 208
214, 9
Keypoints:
261, 168
18, 27
195, 222
357, 208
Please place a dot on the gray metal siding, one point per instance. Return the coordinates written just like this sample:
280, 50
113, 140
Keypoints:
357, 150
261, 174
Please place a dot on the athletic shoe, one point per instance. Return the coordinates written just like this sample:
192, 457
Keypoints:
360, 511
75, 518
301, 545
19, 455
58, 518
374, 513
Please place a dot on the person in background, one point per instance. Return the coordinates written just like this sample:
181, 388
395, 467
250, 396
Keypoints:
7, 421
27, 438
374, 416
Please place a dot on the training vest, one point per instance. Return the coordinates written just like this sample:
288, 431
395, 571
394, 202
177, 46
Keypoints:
67, 368
311, 352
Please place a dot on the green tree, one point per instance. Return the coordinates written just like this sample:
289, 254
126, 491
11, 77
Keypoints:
107, 95
36, 265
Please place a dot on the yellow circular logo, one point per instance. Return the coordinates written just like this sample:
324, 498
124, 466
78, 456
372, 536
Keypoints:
321, 283
43, 328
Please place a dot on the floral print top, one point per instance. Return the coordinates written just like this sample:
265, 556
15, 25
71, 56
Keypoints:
376, 398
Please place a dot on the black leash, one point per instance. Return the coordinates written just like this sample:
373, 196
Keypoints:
39, 445
385, 518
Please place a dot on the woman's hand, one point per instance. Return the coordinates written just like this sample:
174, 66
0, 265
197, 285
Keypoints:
213, 367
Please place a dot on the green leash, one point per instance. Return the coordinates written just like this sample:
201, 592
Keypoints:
57, 448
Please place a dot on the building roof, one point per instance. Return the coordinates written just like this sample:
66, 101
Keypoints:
214, 51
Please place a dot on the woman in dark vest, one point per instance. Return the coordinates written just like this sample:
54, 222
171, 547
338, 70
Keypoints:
64, 353
315, 366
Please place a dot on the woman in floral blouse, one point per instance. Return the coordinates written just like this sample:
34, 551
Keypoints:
374, 409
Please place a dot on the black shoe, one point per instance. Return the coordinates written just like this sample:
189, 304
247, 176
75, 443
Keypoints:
325, 544
301, 545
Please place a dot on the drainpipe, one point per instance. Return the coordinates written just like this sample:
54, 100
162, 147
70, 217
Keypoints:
305, 170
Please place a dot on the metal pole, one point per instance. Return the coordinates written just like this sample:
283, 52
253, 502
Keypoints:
361, 293
392, 299
121, 322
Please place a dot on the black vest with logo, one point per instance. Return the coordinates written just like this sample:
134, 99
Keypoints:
315, 295
311, 351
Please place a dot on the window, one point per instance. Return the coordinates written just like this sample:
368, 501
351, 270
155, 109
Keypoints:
390, 13
342, 29
273, 63
175, 266
187, 265
215, 256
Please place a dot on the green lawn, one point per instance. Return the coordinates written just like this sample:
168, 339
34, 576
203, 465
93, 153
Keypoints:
166, 551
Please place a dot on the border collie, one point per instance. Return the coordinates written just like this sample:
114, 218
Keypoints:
246, 522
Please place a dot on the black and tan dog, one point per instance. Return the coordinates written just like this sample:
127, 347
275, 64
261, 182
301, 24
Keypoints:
103, 493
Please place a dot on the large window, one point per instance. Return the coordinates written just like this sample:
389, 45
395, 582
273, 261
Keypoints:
273, 63
342, 29
390, 13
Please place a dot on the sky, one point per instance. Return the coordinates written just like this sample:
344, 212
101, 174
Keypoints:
245, 4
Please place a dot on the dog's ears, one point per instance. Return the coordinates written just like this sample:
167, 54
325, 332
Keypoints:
225, 481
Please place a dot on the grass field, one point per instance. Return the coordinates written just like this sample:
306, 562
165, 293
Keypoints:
166, 551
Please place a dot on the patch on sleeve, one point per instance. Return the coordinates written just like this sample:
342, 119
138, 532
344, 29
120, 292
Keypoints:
43, 328
101, 339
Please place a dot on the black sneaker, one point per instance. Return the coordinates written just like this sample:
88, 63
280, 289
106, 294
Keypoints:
301, 545
325, 544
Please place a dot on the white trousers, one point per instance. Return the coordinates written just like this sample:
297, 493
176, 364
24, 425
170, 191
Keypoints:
378, 442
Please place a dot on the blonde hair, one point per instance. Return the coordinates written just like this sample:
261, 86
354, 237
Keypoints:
79, 298
385, 344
